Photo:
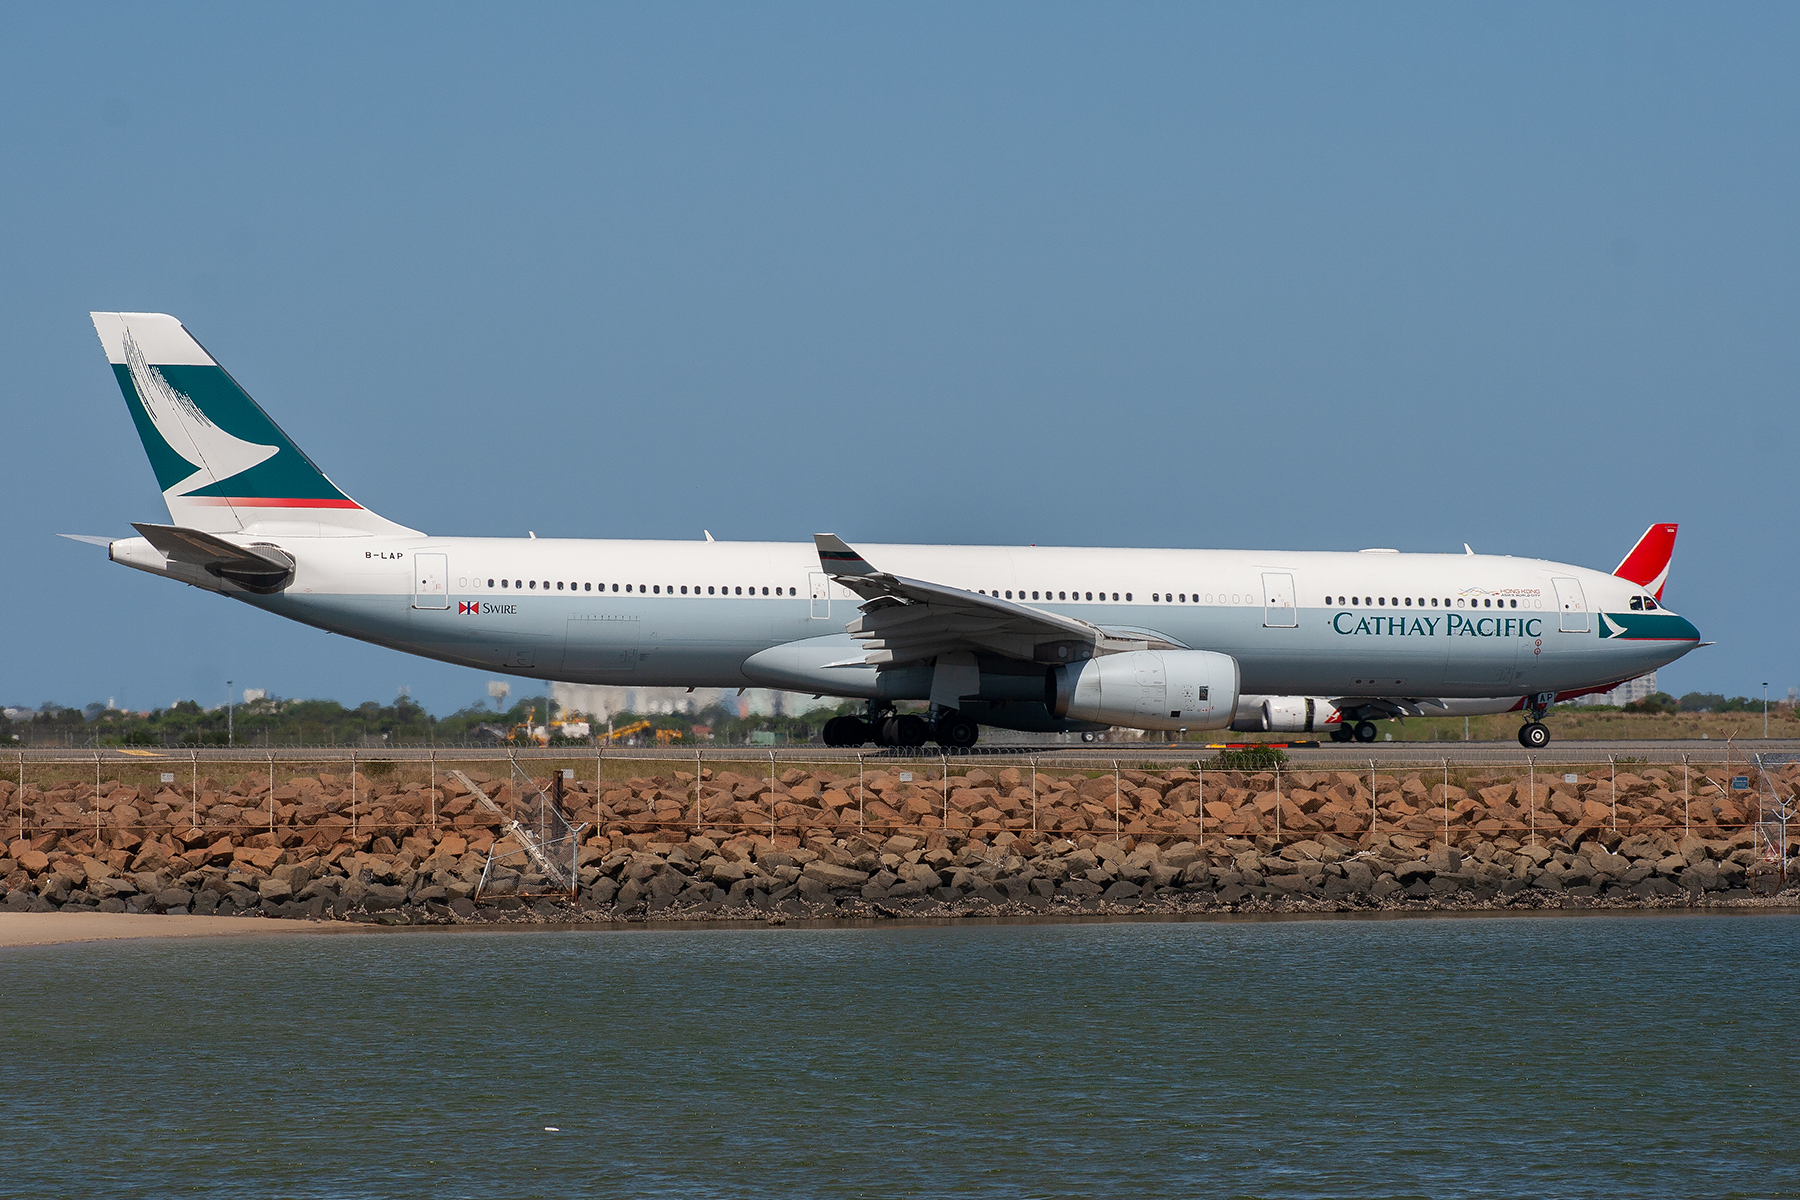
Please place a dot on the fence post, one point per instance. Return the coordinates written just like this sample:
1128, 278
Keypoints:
1278, 804
1115, 800
1686, 798
1200, 805
1372, 814
194, 797
1034, 793
355, 830
1615, 794
271, 793
771, 797
945, 777
862, 794
96, 802
433, 756
1446, 804
1531, 782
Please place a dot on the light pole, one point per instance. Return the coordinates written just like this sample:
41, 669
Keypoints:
231, 725
1765, 710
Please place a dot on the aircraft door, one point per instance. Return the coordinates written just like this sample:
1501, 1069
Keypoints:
820, 588
1572, 603
1278, 601
431, 581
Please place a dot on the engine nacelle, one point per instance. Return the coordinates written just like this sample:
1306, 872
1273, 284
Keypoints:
1298, 714
1284, 714
1147, 689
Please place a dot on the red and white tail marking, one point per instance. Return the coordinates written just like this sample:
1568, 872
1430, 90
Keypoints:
1648, 563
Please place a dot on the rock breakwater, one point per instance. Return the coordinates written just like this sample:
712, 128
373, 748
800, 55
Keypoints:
727, 844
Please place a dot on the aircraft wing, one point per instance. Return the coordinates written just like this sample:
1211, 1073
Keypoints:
914, 620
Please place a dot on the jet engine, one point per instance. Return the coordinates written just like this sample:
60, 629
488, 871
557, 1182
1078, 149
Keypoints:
1147, 689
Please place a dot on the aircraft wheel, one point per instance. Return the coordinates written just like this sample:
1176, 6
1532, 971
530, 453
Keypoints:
910, 731
1366, 731
845, 731
882, 732
1343, 733
957, 732
1534, 736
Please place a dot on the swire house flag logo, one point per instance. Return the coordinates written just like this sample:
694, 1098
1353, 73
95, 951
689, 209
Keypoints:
463, 606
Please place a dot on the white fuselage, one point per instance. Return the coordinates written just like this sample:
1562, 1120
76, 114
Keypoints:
735, 614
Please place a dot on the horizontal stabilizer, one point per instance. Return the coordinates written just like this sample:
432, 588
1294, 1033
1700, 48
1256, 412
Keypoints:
261, 569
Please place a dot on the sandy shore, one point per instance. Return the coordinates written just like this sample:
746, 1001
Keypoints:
56, 928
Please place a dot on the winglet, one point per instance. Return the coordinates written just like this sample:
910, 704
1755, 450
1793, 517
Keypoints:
1648, 563
838, 558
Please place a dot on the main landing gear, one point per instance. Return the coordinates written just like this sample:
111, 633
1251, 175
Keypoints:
1534, 734
1362, 731
950, 729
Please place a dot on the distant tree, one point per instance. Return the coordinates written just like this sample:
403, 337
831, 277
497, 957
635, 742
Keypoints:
1655, 702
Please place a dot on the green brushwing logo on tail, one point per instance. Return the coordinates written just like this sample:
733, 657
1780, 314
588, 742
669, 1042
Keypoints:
206, 438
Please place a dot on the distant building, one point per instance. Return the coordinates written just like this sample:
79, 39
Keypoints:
603, 701
1626, 693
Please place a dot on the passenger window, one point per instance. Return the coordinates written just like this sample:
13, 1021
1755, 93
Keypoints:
1513, 604
1128, 595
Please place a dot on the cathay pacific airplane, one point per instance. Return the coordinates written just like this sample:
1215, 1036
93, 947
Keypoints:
1015, 637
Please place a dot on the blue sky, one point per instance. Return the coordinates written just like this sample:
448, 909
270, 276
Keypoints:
1299, 276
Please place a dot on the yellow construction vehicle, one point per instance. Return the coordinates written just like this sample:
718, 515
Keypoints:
663, 736
529, 731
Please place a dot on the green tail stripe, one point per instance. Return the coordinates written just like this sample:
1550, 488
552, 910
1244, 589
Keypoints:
288, 474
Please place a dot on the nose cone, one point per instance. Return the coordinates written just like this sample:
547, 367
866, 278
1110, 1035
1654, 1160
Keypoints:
1684, 631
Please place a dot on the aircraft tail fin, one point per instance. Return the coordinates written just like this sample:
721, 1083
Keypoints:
222, 464
1648, 563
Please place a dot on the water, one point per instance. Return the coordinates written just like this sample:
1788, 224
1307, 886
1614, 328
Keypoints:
1634, 1055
